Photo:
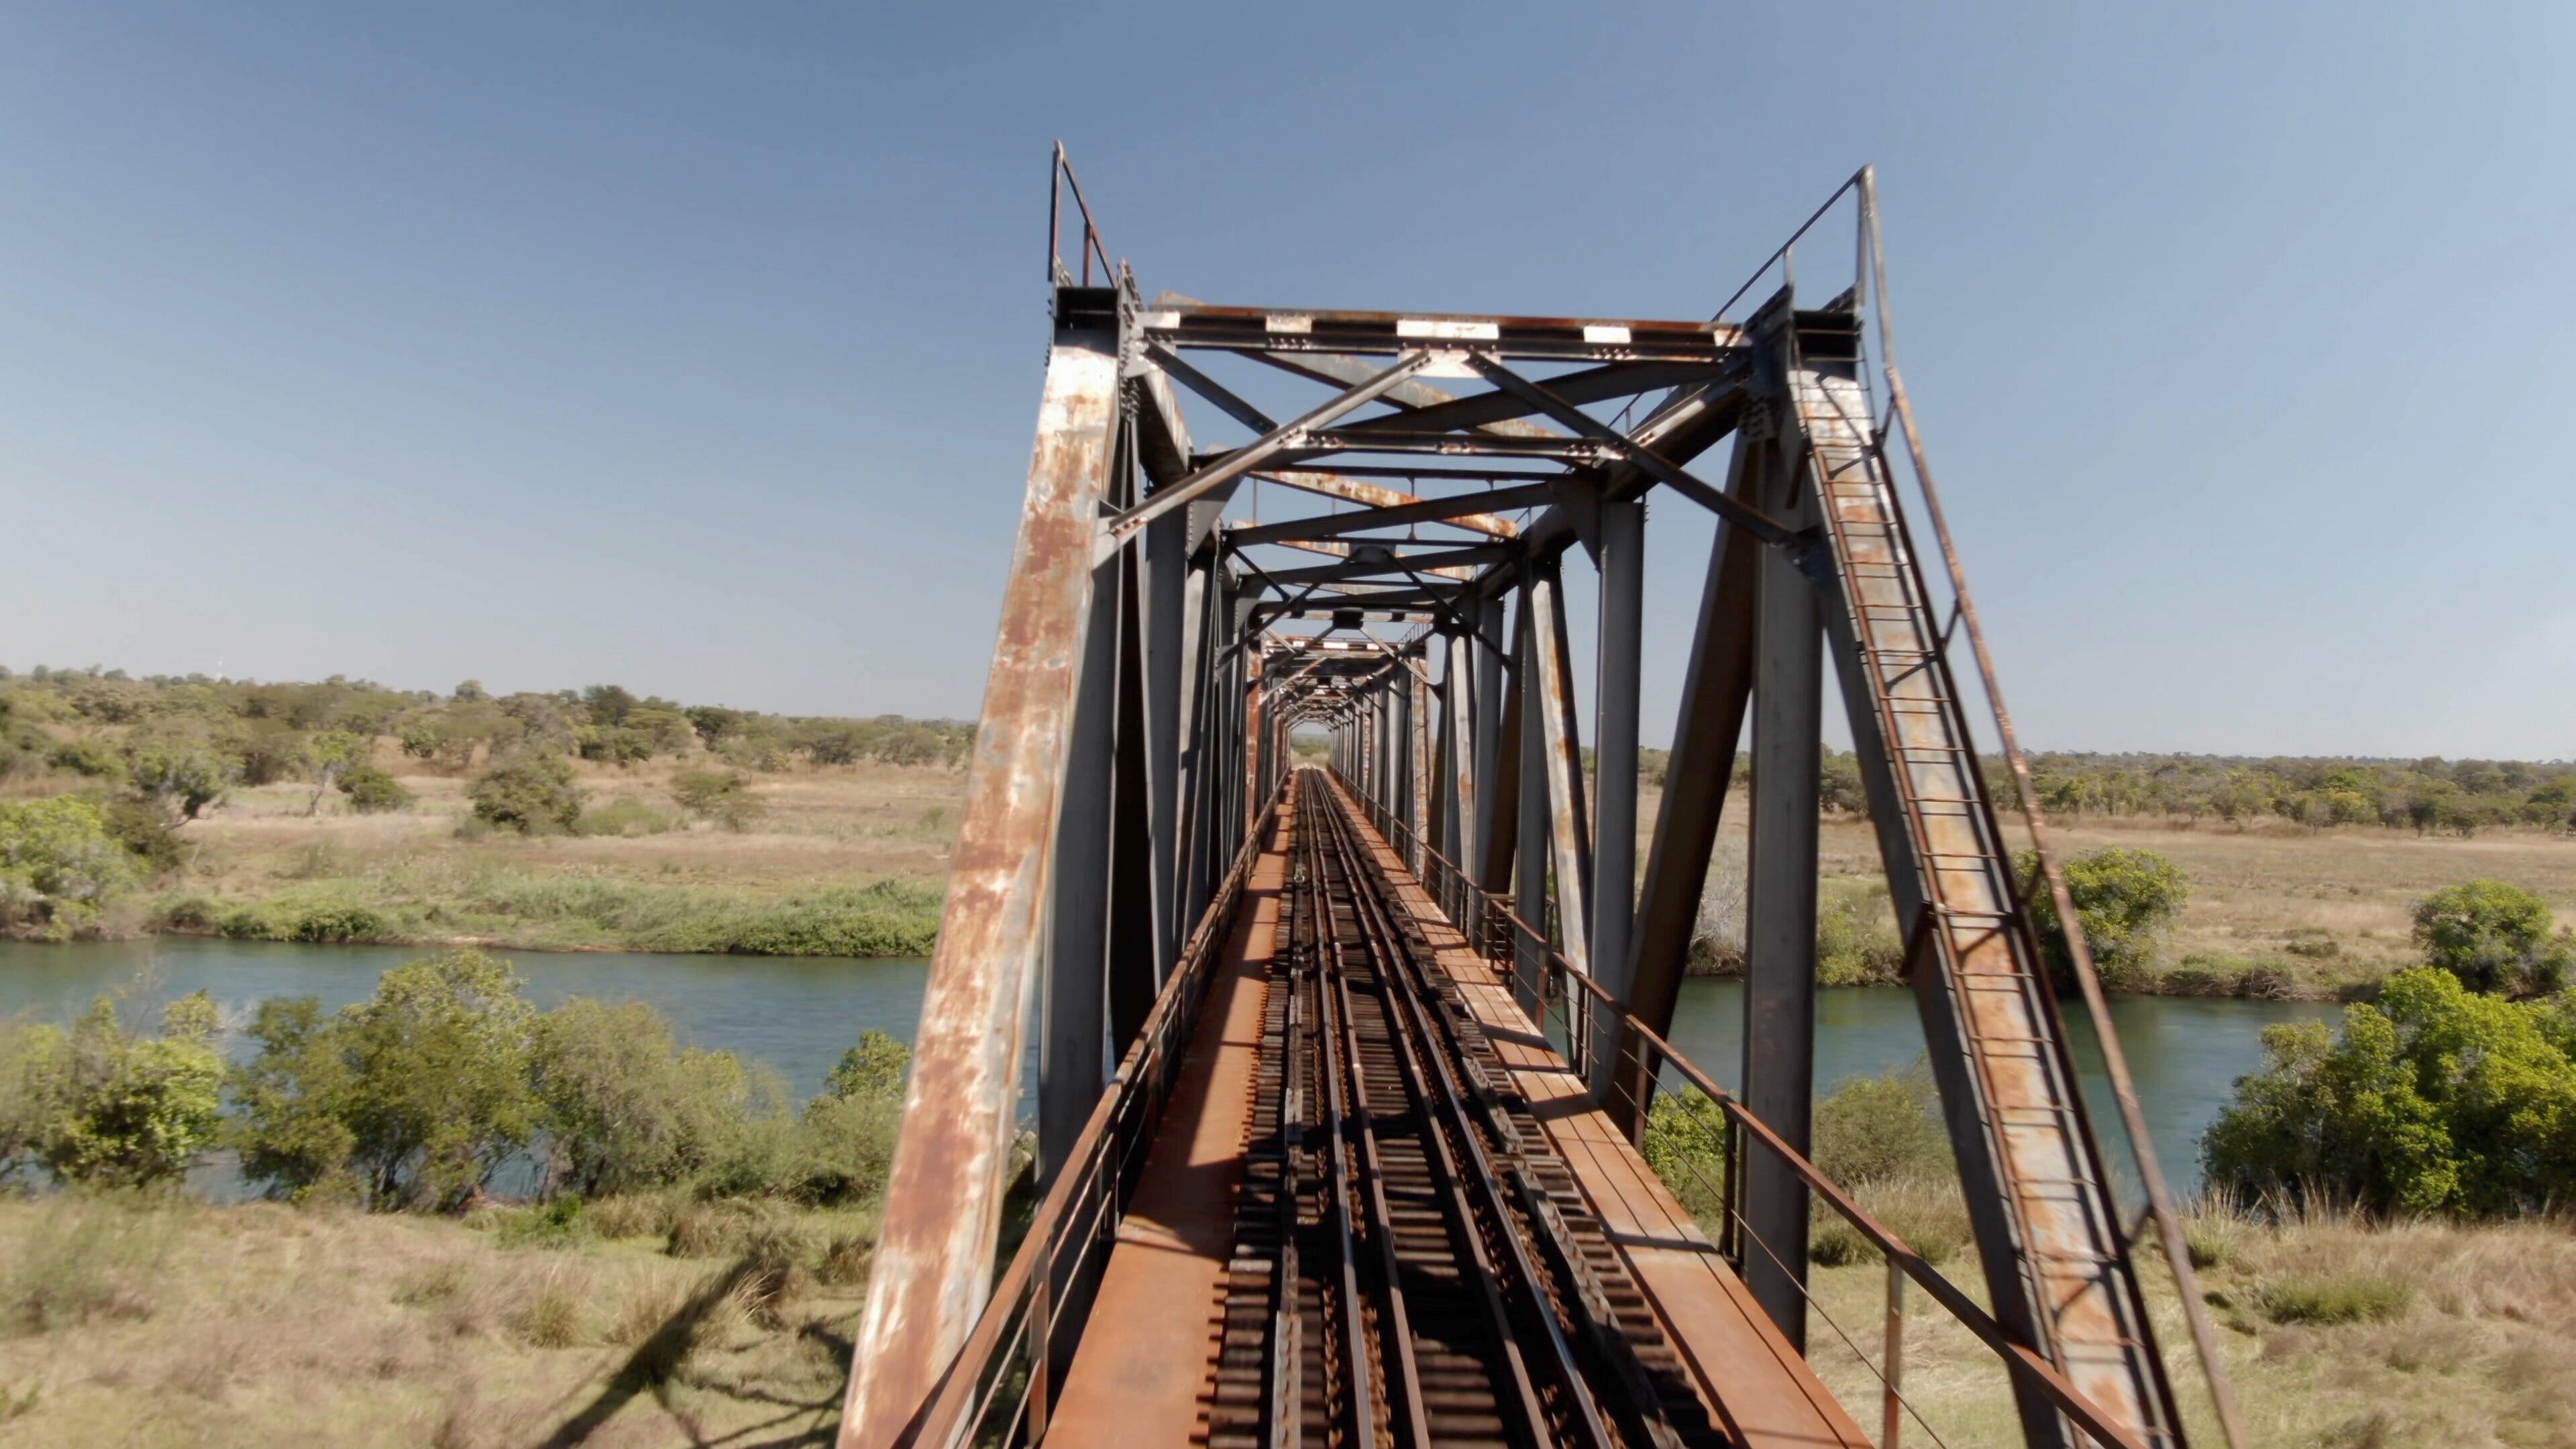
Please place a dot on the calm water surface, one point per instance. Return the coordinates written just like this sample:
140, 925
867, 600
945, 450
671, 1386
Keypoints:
800, 1014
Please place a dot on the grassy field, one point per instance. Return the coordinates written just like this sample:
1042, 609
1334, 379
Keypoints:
845, 860
190, 1325
178, 1324
2311, 913
2336, 1335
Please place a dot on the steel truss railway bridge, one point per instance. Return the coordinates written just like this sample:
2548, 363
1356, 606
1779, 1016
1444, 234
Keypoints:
1342, 1071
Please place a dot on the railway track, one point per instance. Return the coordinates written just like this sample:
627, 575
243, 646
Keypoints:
1412, 1263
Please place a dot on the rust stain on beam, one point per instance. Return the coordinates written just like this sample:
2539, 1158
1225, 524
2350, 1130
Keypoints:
934, 1259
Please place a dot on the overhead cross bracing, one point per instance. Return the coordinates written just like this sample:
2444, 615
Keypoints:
1172, 617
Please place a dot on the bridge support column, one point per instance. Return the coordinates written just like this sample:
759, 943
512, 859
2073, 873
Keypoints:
1780, 920
1614, 847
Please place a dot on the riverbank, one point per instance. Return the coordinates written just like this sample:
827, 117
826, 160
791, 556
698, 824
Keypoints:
837, 861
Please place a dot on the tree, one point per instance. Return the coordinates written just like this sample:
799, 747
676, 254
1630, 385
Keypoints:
470, 692
666, 731
371, 791
329, 755
2494, 936
875, 1068
2125, 900
412, 1098
58, 866
529, 793
622, 1108
184, 776
2434, 1099
115, 1108
717, 795
608, 704
714, 723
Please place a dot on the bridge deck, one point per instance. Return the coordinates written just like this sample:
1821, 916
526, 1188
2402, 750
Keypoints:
1143, 1371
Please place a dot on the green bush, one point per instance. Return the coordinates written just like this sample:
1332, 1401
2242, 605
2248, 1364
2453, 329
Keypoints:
1876, 1129
144, 829
86, 757
101, 1105
409, 1099
1856, 940
1686, 1146
624, 1109
371, 791
2434, 1099
874, 1069
184, 775
2494, 937
58, 866
2126, 899
530, 793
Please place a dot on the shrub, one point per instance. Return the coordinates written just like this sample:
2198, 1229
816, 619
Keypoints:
86, 757
185, 776
102, 1105
1856, 941
144, 829
2125, 900
2494, 937
872, 1070
622, 1108
2340, 1298
1874, 1129
411, 1098
530, 793
1686, 1146
58, 866
371, 791
2435, 1099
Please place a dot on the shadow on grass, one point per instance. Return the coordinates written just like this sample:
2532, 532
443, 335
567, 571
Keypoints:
656, 1361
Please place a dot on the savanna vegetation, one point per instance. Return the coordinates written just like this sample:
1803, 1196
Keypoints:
490, 1223
343, 811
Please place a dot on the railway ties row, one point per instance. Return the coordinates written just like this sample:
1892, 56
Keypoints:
1413, 1262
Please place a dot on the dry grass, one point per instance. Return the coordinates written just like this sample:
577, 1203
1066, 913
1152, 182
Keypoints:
2334, 1332
2326, 911
265, 1325
428, 875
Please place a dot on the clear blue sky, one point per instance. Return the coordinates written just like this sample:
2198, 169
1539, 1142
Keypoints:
697, 347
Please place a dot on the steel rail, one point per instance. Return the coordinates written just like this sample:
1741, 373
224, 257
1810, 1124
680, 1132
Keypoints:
1475, 1190
2018, 1357
1340, 1169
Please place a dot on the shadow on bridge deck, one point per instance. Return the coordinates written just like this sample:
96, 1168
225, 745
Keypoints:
1141, 1375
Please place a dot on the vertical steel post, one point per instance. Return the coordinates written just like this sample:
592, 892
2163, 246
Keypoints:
934, 1259
1780, 922
1533, 829
1419, 766
1167, 622
1567, 827
1614, 846
1463, 745
1490, 761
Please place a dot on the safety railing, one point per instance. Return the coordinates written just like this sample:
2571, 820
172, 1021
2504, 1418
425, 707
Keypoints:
1570, 1007
999, 1389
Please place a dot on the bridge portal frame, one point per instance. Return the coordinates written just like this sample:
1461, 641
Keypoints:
1150, 673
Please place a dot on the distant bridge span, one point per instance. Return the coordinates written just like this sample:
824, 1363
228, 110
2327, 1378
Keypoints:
1342, 1070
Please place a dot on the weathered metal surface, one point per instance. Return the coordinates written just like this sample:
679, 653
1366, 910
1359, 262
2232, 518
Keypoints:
1462, 746
1596, 339
1568, 831
934, 1258
1780, 917
1377, 558
1617, 666
1461, 511
2038, 1192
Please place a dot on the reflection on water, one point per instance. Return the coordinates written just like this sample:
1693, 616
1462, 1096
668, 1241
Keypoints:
800, 1014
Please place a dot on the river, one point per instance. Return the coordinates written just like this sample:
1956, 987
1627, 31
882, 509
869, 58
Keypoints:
799, 1014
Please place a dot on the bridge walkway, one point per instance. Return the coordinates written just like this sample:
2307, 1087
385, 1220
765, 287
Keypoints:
1146, 1369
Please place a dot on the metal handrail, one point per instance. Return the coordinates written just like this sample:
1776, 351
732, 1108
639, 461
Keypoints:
1099, 1163
2018, 1357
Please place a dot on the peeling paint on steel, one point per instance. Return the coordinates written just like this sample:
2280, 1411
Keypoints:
935, 1248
